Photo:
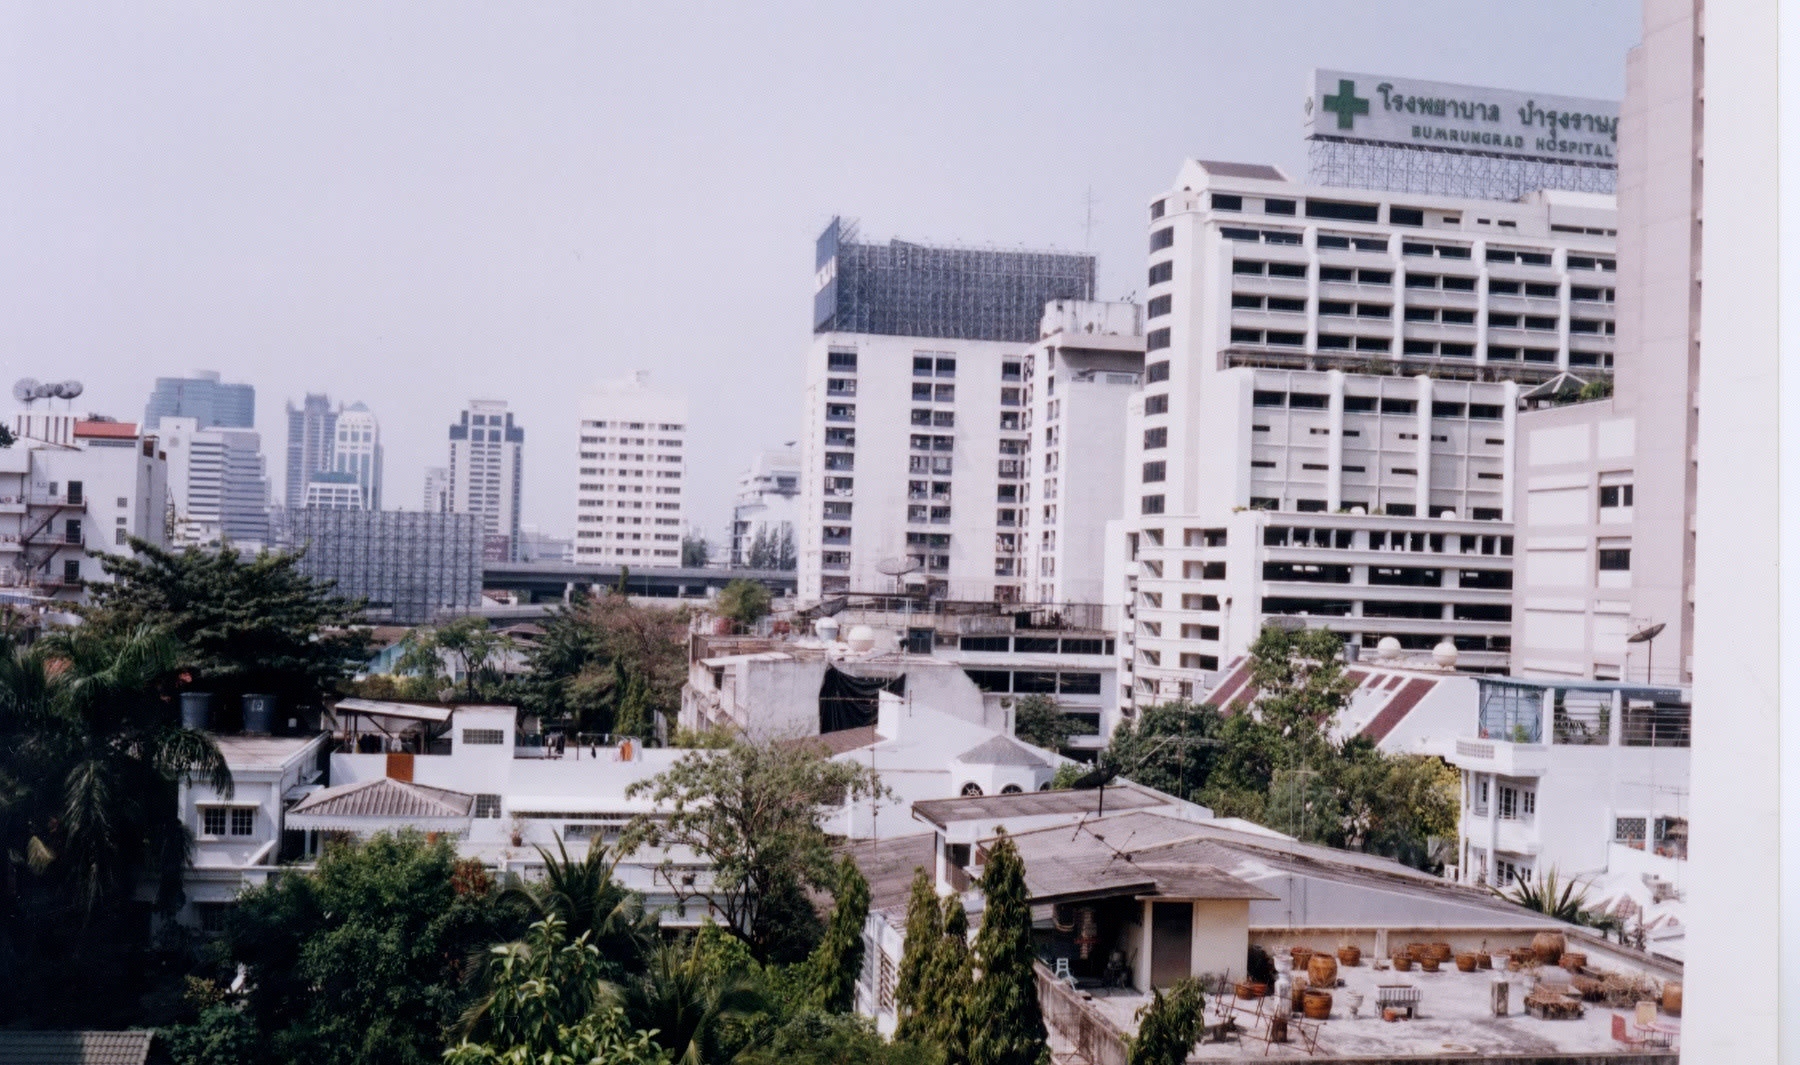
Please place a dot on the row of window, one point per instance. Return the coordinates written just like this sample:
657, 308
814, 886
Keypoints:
1372, 404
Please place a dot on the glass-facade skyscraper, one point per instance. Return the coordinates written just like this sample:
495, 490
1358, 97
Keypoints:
203, 397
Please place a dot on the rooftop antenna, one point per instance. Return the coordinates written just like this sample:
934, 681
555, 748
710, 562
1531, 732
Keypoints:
1087, 227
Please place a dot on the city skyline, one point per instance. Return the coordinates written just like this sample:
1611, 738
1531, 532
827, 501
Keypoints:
373, 276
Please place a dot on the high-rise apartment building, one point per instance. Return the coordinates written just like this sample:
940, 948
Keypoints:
1607, 488
630, 494
1326, 430
915, 435
312, 433
1080, 378
764, 511
218, 483
212, 403
487, 467
437, 490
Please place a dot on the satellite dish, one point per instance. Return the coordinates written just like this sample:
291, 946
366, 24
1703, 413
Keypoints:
43, 391
899, 567
68, 389
1646, 635
24, 390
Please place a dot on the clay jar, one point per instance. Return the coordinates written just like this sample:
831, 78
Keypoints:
1322, 971
1318, 1005
1350, 957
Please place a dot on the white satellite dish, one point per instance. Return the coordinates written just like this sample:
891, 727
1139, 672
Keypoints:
899, 567
25, 390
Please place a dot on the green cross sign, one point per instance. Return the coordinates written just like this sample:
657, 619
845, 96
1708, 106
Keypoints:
1346, 104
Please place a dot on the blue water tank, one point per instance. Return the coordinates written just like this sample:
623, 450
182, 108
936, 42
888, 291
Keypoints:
196, 710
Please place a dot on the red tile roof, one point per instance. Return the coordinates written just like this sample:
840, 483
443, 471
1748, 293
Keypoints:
1397, 708
107, 430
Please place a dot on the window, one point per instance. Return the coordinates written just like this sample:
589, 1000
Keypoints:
1405, 216
843, 361
1352, 212
243, 820
1155, 471
212, 821
1159, 306
486, 737
1615, 559
1162, 272
1629, 831
1224, 202
487, 806
1278, 207
1156, 340
1157, 404
1162, 238
1156, 371
1615, 495
1157, 437
1152, 505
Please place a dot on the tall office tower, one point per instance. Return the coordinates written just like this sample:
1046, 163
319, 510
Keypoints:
763, 513
353, 480
218, 483
1325, 434
437, 490
312, 432
914, 396
487, 468
630, 495
202, 397
1608, 492
1080, 378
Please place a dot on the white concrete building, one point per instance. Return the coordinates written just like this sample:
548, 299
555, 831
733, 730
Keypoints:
73, 487
218, 483
631, 496
914, 442
1330, 380
1079, 380
487, 471
356, 454
437, 490
1586, 778
767, 507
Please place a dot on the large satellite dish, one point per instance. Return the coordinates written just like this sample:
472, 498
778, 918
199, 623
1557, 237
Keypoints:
25, 390
66, 389
899, 567
1646, 635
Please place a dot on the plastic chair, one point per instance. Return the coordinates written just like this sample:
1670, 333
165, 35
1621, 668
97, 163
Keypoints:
1062, 972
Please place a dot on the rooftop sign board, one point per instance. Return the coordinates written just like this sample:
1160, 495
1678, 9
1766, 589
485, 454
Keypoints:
1403, 113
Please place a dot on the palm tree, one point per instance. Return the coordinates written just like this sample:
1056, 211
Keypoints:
584, 896
685, 1001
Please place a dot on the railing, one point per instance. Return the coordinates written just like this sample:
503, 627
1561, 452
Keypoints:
1094, 1037
1470, 749
1657, 726
1582, 724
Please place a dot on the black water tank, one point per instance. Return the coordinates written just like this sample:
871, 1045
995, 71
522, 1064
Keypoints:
196, 710
259, 714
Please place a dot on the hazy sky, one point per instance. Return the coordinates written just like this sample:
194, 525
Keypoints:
416, 204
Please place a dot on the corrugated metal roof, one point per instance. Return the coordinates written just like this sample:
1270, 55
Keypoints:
888, 866
1119, 797
74, 1048
1001, 751
385, 797
1130, 855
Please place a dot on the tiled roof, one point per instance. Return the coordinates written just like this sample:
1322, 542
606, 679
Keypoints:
385, 797
840, 742
74, 1048
1001, 751
1260, 171
888, 865
1397, 708
1119, 797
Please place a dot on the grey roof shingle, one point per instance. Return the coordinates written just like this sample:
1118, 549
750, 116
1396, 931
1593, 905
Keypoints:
74, 1048
385, 797
1001, 751
1119, 797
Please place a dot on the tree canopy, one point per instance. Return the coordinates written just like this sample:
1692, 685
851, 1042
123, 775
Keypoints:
745, 602
1039, 721
610, 665
1011, 1029
752, 812
243, 624
473, 648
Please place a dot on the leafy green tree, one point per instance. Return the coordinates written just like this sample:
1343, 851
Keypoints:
6, 437
1168, 1025
1039, 721
546, 1003
949, 971
1171, 747
367, 958
695, 552
91, 759
221, 1035
1301, 685
815, 1038
745, 602
243, 625
475, 650
924, 928
752, 812
1011, 1023
609, 664
833, 966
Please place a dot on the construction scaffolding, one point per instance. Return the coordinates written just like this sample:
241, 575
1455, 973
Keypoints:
957, 293
411, 568
1448, 172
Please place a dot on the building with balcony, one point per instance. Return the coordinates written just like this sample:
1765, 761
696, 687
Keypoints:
765, 512
631, 497
1586, 778
73, 489
914, 447
1341, 367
